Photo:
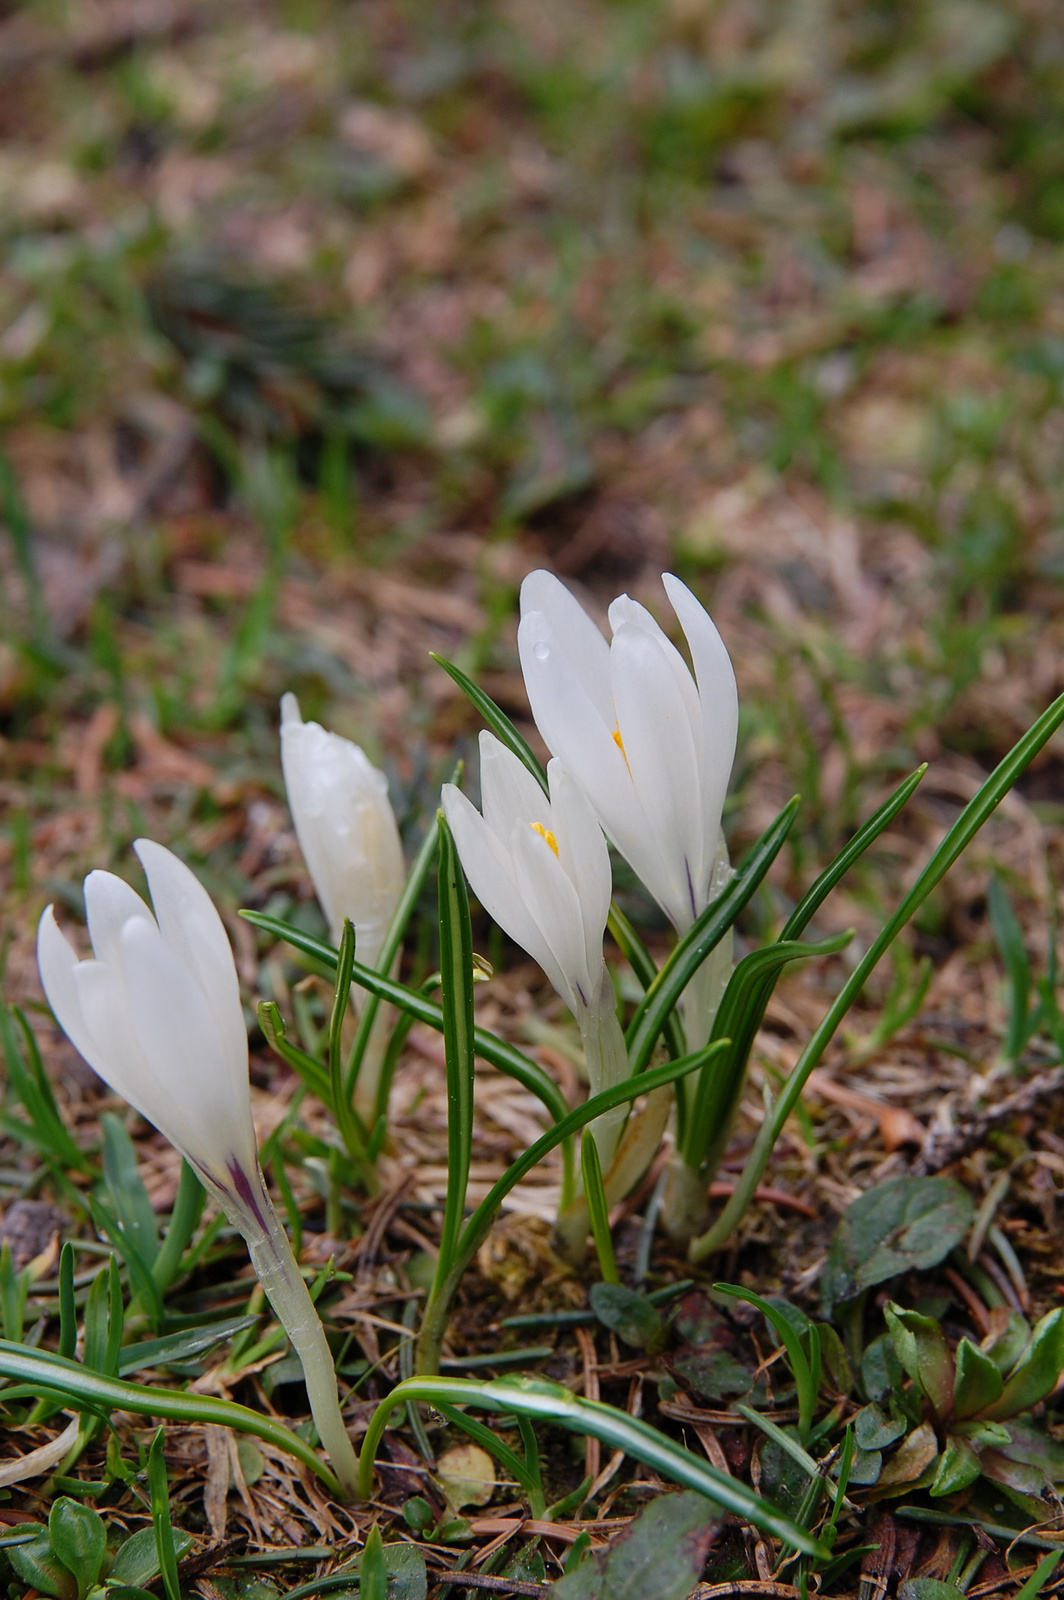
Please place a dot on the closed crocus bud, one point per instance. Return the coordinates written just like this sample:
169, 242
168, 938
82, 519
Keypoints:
650, 746
346, 829
156, 1012
539, 866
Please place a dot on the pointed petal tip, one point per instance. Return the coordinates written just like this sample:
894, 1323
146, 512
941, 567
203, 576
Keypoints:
156, 861
48, 931
290, 713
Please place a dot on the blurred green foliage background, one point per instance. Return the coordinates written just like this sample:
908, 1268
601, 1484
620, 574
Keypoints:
324, 322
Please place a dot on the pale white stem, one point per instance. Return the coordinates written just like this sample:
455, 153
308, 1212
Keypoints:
251, 1210
685, 1202
701, 1000
607, 1064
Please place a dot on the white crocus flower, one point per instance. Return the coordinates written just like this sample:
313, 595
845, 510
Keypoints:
156, 1012
539, 866
350, 841
346, 829
650, 745
652, 748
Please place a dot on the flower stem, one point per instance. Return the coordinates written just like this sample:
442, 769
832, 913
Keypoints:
278, 1272
607, 1064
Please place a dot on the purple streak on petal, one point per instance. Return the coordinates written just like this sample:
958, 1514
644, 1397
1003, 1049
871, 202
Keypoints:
243, 1186
690, 887
583, 996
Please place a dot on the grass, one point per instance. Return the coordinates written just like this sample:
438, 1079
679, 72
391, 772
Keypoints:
322, 325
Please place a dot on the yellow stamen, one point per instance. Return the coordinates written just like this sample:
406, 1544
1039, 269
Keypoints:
619, 742
545, 833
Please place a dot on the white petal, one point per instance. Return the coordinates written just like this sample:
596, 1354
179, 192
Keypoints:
586, 651
574, 731
346, 829
507, 789
657, 740
192, 928
194, 1070
717, 695
584, 857
58, 963
488, 864
109, 904
624, 610
114, 1051
552, 902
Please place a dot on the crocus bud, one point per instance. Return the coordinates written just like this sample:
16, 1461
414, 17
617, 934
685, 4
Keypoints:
539, 866
650, 746
346, 829
156, 1012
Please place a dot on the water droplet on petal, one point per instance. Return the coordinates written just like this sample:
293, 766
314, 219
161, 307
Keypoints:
541, 651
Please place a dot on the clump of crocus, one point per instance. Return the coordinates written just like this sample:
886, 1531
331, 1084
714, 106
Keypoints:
651, 747
350, 841
157, 1014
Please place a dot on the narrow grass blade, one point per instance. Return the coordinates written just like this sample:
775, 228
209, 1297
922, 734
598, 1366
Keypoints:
738, 1018
125, 1189
496, 719
551, 1403
956, 841
663, 996
818, 891
141, 1279
605, 1100
17, 519
93, 1391
1040, 1576
507, 1458
393, 941
504, 1056
14, 1289
1013, 951
783, 1439
456, 989
68, 1311
159, 1490
641, 962
340, 1101
476, 1229
373, 1574
184, 1220
181, 1346
306, 1067
598, 1210
787, 1333
30, 1083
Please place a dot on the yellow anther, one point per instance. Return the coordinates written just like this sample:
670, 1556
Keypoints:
545, 833
619, 742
